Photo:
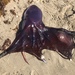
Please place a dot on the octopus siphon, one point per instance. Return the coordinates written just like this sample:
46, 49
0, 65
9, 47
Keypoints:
33, 36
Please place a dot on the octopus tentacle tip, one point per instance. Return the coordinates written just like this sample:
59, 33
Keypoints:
71, 60
43, 59
3, 54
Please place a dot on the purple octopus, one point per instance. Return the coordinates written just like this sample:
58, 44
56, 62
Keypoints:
33, 36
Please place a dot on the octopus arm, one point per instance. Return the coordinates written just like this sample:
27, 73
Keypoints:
61, 41
14, 46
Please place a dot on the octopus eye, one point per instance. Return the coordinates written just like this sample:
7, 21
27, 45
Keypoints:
65, 38
62, 37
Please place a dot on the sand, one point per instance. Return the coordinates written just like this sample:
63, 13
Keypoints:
56, 13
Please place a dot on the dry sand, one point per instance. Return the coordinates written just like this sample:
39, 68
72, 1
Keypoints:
56, 13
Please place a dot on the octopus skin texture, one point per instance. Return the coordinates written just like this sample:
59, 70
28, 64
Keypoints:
33, 36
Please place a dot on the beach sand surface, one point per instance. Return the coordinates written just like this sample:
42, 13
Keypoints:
56, 13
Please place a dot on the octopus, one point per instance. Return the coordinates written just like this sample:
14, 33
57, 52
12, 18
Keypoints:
33, 36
